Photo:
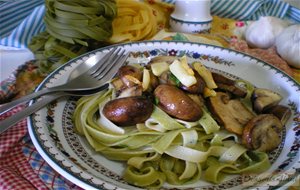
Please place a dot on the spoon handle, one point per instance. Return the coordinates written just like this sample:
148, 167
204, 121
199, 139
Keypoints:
6, 123
8, 106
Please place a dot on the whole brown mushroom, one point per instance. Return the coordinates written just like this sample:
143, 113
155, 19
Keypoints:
128, 111
176, 103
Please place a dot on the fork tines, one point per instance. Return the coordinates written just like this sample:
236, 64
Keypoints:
112, 60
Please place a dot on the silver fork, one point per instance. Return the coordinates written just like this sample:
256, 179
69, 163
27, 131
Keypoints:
93, 78
42, 102
102, 75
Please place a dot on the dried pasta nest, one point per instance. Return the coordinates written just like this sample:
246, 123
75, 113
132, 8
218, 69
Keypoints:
135, 21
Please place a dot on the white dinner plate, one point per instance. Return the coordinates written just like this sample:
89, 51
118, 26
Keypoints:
52, 131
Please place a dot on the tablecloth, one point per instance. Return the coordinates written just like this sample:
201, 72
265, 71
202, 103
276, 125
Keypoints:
22, 167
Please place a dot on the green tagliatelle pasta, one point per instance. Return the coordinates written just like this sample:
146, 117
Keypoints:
72, 28
164, 149
250, 88
76, 21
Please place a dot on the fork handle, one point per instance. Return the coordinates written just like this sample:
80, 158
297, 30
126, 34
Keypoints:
8, 106
6, 123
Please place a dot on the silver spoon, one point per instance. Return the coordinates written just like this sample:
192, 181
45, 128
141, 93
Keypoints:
5, 124
95, 69
33, 107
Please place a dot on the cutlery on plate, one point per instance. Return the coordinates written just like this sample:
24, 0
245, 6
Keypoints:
99, 75
6, 123
98, 68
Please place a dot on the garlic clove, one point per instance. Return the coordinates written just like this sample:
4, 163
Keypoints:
262, 33
288, 45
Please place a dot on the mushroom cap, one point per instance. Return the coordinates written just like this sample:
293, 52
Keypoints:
262, 133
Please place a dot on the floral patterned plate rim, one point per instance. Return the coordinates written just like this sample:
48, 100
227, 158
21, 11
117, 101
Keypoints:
52, 133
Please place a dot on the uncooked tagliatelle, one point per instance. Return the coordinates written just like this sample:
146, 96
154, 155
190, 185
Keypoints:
162, 148
135, 21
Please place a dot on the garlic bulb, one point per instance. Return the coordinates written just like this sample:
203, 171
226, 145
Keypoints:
262, 33
288, 45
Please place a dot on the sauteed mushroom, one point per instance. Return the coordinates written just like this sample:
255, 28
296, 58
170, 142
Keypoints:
219, 78
262, 133
195, 88
167, 78
233, 89
154, 82
176, 103
130, 75
128, 111
226, 84
264, 98
230, 113
135, 90
283, 113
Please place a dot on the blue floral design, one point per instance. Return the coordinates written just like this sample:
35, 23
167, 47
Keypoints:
153, 52
196, 55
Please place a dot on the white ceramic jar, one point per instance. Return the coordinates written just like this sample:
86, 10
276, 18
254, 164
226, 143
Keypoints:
191, 16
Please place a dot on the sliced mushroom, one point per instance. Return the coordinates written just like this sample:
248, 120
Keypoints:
195, 88
154, 82
128, 111
233, 89
198, 99
230, 113
167, 78
117, 84
135, 90
264, 98
130, 75
282, 112
228, 85
262, 133
219, 78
